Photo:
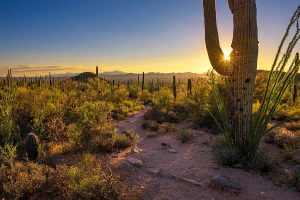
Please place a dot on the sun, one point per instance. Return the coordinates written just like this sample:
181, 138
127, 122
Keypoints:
227, 54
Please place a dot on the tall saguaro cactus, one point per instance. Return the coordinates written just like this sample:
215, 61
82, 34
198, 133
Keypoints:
241, 68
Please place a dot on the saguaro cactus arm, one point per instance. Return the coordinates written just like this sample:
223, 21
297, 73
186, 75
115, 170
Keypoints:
214, 50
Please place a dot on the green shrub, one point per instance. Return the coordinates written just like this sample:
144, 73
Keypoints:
293, 126
85, 180
23, 180
224, 153
185, 136
151, 125
169, 127
259, 163
8, 154
8, 132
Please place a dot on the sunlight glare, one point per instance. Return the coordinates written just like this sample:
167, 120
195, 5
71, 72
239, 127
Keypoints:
227, 54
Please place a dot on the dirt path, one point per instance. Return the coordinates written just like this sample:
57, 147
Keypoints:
194, 161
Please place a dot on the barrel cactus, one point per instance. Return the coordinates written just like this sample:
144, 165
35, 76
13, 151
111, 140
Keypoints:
32, 146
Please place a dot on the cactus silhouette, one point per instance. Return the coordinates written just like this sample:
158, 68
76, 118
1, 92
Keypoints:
143, 82
241, 68
174, 87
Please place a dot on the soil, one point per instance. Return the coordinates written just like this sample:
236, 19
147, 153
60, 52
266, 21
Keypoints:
194, 160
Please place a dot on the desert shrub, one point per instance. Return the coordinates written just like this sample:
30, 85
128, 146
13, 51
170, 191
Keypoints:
91, 119
169, 127
284, 138
23, 180
259, 163
8, 154
111, 140
133, 91
85, 180
227, 155
8, 133
161, 115
151, 125
185, 136
287, 111
199, 106
293, 126
224, 153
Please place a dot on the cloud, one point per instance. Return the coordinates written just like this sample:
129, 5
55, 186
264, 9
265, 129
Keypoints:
31, 68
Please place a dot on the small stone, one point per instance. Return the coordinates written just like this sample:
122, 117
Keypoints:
165, 146
151, 135
137, 150
135, 162
172, 150
152, 170
126, 166
224, 184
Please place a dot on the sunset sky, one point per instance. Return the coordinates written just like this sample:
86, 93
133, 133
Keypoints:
59, 36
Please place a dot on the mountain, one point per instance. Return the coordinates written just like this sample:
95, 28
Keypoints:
167, 77
84, 76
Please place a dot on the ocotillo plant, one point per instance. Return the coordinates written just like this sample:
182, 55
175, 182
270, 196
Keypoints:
243, 133
143, 82
189, 87
295, 92
174, 87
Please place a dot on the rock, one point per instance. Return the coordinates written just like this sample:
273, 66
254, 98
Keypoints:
151, 134
136, 150
224, 184
135, 162
296, 156
152, 170
125, 166
165, 146
168, 147
172, 150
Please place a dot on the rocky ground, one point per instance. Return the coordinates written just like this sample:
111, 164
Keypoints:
162, 167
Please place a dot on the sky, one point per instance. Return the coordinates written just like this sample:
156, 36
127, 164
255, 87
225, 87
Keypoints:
71, 36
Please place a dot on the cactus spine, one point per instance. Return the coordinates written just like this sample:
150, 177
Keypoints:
241, 68
174, 87
32, 146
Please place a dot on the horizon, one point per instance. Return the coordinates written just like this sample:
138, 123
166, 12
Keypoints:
154, 36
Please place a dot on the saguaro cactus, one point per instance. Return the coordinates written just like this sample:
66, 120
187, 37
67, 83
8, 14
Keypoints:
174, 87
97, 71
143, 82
189, 87
241, 68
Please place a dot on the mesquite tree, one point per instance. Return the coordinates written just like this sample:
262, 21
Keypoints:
241, 68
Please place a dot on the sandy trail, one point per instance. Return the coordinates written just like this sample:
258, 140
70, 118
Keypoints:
193, 160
